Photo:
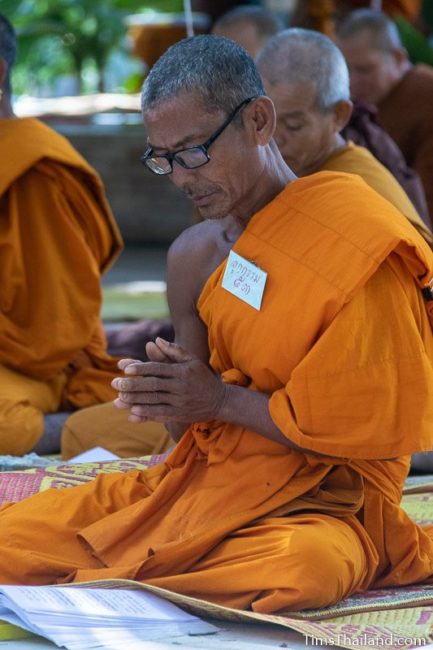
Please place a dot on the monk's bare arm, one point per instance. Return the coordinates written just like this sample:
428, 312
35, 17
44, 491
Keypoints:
184, 285
191, 258
250, 409
183, 290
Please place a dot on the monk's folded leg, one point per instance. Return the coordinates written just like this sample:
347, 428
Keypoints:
284, 563
105, 426
38, 536
21, 426
23, 402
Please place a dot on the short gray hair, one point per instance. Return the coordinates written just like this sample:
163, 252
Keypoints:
381, 29
298, 55
8, 47
215, 67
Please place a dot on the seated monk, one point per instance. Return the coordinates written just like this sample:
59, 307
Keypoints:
299, 384
382, 75
57, 237
307, 78
250, 26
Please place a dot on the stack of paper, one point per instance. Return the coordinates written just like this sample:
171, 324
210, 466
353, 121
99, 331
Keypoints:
93, 455
79, 618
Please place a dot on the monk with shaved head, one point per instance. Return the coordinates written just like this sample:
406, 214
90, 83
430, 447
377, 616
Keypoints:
307, 78
381, 74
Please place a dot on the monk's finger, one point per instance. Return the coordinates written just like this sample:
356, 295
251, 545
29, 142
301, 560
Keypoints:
151, 397
144, 384
154, 353
120, 404
173, 351
137, 419
126, 362
153, 369
160, 413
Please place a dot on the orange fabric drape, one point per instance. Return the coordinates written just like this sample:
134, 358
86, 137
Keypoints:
57, 236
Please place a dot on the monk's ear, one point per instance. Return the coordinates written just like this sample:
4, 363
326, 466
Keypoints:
342, 112
260, 119
400, 56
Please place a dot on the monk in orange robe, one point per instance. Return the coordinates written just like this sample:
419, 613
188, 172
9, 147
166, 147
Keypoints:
307, 78
312, 101
301, 381
57, 237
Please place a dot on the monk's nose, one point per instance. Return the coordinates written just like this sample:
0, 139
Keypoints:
180, 176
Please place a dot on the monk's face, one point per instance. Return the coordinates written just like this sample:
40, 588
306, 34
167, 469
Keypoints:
304, 134
224, 184
373, 72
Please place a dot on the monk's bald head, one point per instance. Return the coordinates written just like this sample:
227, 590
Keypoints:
306, 77
296, 56
8, 50
250, 26
380, 31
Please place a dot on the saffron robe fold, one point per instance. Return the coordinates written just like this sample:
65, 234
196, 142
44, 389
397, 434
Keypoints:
57, 236
233, 516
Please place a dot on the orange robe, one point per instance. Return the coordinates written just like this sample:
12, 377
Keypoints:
343, 345
57, 237
107, 426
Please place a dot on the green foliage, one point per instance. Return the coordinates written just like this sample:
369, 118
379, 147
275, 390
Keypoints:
59, 37
417, 45
121, 305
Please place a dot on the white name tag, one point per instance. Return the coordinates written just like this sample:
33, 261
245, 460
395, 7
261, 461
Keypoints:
244, 280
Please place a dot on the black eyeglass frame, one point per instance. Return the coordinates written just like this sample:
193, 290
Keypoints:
171, 156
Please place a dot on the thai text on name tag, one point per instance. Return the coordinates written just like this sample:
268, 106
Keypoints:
244, 280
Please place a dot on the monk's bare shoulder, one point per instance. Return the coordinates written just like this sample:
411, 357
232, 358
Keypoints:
193, 256
191, 259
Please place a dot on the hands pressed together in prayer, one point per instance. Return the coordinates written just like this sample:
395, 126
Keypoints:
174, 386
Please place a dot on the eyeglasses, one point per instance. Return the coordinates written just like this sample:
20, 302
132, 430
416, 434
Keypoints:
189, 158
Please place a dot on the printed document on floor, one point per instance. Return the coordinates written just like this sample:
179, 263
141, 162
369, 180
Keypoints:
78, 618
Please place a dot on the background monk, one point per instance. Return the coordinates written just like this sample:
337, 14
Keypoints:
381, 74
300, 382
307, 78
249, 26
321, 14
57, 237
